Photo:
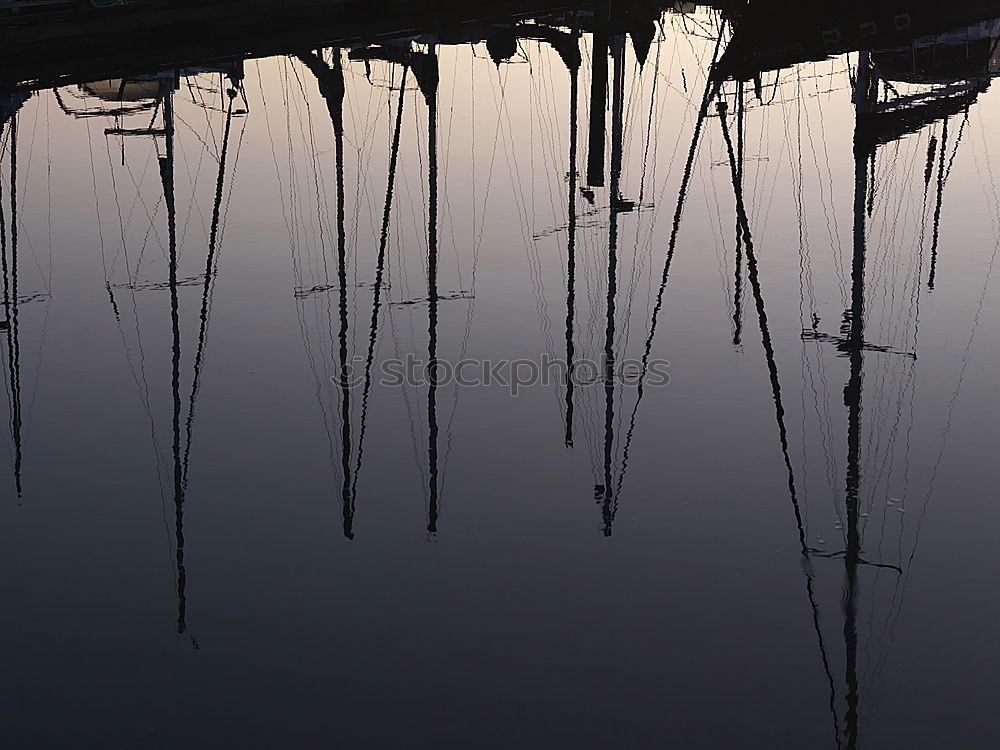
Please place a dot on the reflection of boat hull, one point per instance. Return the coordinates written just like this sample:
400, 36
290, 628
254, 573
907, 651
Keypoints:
962, 54
156, 35
123, 89
10, 103
775, 34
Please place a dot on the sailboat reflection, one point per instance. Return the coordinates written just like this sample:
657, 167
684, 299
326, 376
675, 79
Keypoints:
913, 77
953, 73
157, 94
14, 320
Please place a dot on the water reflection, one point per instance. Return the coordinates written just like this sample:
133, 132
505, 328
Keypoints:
848, 111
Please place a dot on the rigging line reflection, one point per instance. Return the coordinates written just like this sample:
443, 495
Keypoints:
608, 497
379, 276
711, 86
211, 264
779, 410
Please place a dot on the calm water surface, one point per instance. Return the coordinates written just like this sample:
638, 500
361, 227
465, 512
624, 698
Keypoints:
217, 531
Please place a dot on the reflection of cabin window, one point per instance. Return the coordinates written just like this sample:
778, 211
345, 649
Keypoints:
902, 21
869, 28
831, 36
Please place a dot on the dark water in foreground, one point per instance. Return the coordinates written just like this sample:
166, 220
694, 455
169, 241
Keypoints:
218, 532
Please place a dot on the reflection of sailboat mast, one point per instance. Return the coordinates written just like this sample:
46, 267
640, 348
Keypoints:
425, 70
567, 46
210, 263
430, 95
743, 232
598, 94
166, 167
738, 285
379, 276
166, 164
10, 310
336, 105
331, 86
865, 88
571, 249
617, 108
711, 87
937, 205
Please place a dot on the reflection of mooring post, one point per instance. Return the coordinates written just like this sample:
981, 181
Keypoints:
598, 94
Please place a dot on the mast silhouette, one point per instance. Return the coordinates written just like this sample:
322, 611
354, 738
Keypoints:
939, 193
567, 46
608, 496
336, 104
331, 87
210, 269
181, 435
853, 345
712, 85
425, 69
379, 276
574, 85
738, 276
865, 93
743, 233
430, 96
598, 93
10, 310
166, 164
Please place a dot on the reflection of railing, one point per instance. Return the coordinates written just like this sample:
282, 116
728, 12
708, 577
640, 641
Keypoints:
928, 98
890, 120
